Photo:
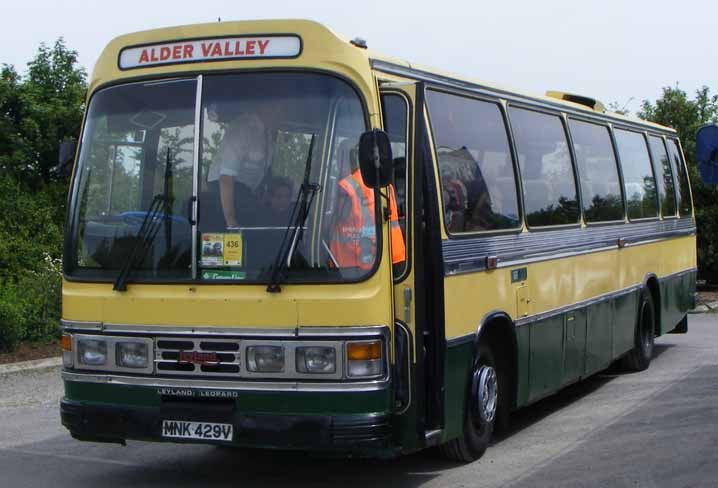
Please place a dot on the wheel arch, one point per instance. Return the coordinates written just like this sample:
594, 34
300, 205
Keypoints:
498, 330
650, 282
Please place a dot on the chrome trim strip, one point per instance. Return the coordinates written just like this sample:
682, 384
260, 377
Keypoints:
155, 382
352, 331
221, 331
523, 321
468, 255
195, 171
678, 274
408, 346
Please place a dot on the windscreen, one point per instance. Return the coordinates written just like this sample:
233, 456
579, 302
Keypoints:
271, 180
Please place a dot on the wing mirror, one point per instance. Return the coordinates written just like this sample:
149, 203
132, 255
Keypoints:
707, 153
65, 158
375, 159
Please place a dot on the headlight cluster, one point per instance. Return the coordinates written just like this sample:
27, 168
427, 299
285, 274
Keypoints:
333, 359
107, 352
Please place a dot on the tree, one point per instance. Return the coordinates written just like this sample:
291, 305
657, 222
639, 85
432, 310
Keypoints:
38, 111
675, 109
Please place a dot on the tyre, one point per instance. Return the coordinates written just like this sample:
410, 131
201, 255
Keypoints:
480, 412
640, 356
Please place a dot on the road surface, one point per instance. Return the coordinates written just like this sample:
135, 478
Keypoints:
658, 428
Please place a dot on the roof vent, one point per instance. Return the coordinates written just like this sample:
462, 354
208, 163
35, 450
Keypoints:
592, 103
359, 42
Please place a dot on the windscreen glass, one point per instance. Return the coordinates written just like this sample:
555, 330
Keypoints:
276, 163
135, 171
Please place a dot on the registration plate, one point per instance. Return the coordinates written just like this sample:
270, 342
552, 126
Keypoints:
179, 429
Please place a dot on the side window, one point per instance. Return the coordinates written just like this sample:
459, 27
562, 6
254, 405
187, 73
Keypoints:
598, 171
550, 195
683, 191
476, 169
664, 176
640, 185
395, 113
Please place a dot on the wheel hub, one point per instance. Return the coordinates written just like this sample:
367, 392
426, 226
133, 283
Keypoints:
487, 389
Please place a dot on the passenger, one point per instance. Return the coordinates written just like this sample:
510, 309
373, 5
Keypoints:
354, 235
279, 200
239, 167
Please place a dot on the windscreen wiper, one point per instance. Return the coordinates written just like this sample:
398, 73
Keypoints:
158, 212
295, 226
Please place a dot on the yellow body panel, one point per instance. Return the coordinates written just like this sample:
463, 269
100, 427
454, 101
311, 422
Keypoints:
322, 49
231, 305
239, 305
560, 282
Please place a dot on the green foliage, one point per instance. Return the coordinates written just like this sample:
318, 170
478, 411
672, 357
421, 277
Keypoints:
686, 115
37, 111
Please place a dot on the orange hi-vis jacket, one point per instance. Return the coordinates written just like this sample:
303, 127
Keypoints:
354, 241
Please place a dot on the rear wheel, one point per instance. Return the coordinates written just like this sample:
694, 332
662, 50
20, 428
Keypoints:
640, 356
480, 412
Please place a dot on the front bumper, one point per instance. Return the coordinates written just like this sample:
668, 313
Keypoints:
117, 423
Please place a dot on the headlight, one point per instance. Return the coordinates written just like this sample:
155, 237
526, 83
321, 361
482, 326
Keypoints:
265, 359
316, 359
364, 359
92, 352
132, 355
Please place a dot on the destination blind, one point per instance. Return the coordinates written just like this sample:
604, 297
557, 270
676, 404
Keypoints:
218, 49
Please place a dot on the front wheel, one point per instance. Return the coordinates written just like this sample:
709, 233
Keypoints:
640, 356
480, 412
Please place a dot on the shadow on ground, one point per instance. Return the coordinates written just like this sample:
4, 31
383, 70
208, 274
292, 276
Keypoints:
150, 464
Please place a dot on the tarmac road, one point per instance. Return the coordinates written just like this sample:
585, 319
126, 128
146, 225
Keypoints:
658, 428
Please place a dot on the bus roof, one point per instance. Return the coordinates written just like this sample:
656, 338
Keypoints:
318, 47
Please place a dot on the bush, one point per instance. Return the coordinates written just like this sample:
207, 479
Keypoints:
30, 306
30, 272
11, 320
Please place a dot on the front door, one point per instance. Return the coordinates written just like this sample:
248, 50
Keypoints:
418, 290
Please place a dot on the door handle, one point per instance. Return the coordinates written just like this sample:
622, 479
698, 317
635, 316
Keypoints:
407, 305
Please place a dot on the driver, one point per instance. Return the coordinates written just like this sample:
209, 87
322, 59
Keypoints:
239, 166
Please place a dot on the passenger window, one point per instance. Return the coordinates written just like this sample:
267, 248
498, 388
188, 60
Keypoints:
640, 185
476, 169
395, 113
598, 171
664, 176
550, 195
683, 191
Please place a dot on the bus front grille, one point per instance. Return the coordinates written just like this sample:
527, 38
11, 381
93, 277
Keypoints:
197, 357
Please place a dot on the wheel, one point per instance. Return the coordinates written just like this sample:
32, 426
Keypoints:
480, 412
640, 356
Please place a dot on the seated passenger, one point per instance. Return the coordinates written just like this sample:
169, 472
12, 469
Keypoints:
279, 200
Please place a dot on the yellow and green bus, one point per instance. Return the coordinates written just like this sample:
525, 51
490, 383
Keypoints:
278, 238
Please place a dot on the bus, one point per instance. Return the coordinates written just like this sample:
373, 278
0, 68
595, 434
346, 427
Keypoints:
278, 238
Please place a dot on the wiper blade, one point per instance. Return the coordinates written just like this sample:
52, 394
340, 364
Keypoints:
295, 226
148, 228
143, 239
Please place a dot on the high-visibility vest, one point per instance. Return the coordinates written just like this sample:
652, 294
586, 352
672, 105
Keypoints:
354, 240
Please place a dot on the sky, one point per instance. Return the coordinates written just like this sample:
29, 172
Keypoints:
614, 51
